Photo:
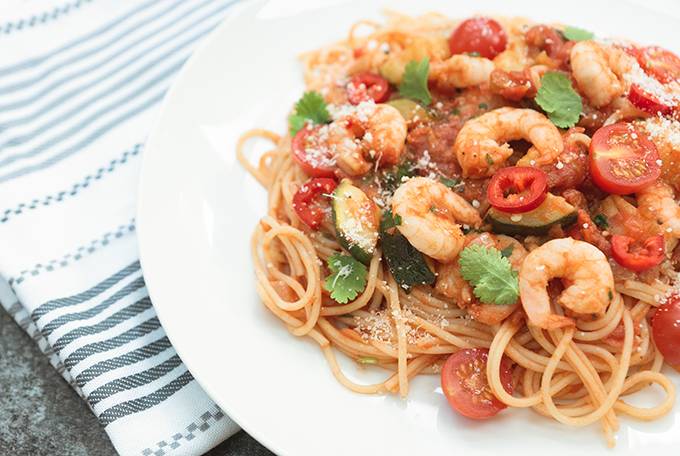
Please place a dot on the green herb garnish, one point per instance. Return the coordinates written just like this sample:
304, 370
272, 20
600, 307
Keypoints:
577, 34
414, 82
310, 108
389, 220
559, 99
347, 279
490, 273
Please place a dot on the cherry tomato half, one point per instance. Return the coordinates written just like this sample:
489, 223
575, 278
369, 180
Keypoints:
478, 34
659, 63
315, 159
623, 160
368, 86
305, 201
666, 331
466, 387
517, 189
644, 100
635, 256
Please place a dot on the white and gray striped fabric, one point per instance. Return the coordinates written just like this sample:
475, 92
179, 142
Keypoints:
80, 85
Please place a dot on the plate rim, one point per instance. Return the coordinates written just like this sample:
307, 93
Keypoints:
144, 254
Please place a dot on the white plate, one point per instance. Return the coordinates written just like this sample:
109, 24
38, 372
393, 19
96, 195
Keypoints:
198, 208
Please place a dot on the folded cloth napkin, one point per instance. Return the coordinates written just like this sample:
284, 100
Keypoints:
80, 85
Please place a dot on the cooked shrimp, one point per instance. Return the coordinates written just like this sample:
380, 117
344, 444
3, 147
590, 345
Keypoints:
599, 71
584, 269
460, 71
515, 57
481, 146
367, 133
431, 214
451, 284
657, 202
391, 51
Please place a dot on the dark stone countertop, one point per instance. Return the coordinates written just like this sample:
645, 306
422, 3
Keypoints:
41, 415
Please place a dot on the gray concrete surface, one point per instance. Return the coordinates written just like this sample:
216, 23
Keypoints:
41, 415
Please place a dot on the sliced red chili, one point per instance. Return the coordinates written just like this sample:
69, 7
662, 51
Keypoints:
366, 87
306, 201
517, 189
637, 257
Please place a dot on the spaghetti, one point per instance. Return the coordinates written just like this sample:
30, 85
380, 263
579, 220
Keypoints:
577, 374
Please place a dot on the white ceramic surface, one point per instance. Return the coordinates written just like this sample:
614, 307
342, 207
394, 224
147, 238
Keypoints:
198, 207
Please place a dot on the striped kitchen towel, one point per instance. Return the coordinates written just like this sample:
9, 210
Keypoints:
80, 85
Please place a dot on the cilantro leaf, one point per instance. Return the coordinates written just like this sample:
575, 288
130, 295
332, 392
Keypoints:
559, 99
295, 123
577, 34
347, 279
311, 107
414, 82
389, 220
490, 273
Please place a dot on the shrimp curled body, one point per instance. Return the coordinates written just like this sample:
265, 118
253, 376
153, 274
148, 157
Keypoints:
598, 71
657, 202
585, 272
430, 215
367, 135
481, 146
460, 71
450, 282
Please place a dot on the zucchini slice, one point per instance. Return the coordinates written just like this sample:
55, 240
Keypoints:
554, 210
407, 265
356, 221
409, 109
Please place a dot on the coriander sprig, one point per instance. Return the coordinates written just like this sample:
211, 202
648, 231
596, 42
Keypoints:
347, 279
490, 273
559, 99
311, 107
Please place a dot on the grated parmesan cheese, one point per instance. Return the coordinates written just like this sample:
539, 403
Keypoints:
650, 85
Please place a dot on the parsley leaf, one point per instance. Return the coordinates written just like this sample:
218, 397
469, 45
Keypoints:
414, 82
347, 279
559, 99
311, 107
577, 34
490, 273
601, 221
